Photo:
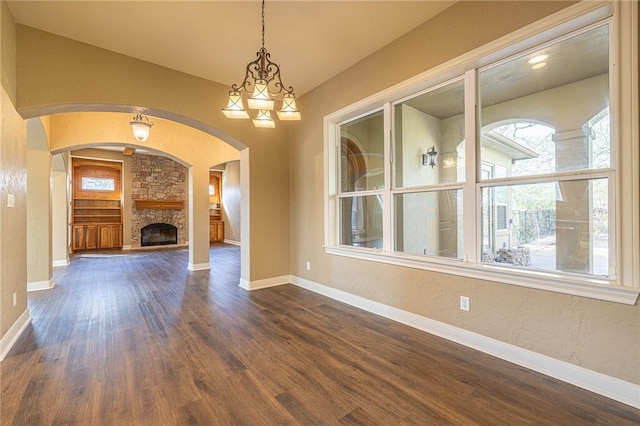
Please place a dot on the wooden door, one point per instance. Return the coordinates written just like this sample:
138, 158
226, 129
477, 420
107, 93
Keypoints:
91, 237
78, 240
110, 236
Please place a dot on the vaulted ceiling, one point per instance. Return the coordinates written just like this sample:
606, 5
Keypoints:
312, 41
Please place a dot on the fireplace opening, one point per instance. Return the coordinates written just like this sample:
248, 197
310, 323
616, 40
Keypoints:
158, 234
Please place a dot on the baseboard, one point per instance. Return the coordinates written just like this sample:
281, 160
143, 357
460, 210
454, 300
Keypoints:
610, 387
57, 263
40, 285
16, 330
199, 266
126, 247
234, 242
265, 283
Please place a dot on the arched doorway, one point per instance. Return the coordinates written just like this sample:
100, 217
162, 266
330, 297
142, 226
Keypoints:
187, 146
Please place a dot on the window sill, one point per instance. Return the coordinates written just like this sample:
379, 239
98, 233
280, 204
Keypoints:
600, 289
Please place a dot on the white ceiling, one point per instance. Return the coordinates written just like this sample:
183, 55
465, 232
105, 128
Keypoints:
312, 41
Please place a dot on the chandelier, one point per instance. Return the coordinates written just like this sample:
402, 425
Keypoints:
262, 80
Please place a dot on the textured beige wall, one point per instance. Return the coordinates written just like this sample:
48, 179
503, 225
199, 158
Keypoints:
600, 336
13, 220
231, 198
59, 218
13, 180
8, 51
81, 77
39, 252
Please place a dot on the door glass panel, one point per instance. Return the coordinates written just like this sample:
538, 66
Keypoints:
429, 223
362, 154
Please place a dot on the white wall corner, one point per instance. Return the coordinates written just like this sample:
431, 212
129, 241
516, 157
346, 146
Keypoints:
59, 263
610, 387
265, 283
199, 266
14, 333
40, 285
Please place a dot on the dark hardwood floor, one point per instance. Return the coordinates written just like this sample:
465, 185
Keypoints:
137, 339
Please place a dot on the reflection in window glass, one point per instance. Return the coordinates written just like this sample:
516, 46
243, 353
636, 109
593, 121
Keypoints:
98, 184
361, 221
530, 106
557, 226
433, 119
362, 154
429, 223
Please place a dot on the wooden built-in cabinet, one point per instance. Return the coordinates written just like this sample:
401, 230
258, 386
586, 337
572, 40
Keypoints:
96, 213
216, 225
216, 229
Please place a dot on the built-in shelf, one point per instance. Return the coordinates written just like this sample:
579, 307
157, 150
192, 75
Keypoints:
159, 204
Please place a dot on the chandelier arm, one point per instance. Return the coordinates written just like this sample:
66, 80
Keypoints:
249, 74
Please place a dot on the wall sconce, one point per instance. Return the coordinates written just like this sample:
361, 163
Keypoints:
429, 159
141, 126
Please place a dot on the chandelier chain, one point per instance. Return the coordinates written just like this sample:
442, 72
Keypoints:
263, 24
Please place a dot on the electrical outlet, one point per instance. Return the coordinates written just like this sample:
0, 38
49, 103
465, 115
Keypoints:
464, 303
308, 266
15, 299
11, 200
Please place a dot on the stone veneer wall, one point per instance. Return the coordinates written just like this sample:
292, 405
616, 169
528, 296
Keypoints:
157, 178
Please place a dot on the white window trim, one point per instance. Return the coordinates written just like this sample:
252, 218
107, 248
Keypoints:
625, 288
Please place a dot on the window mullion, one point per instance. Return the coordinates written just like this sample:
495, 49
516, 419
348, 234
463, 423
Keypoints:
388, 231
470, 207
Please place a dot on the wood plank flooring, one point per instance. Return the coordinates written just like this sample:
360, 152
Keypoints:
139, 340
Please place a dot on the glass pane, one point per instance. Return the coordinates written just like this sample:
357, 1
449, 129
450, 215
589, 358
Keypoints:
362, 154
548, 111
361, 221
429, 223
429, 137
561, 226
98, 184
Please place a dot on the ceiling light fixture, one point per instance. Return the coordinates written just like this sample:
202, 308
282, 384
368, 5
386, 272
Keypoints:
262, 80
537, 59
141, 127
539, 65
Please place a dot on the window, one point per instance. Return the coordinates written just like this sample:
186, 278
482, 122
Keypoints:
362, 181
526, 189
428, 199
98, 184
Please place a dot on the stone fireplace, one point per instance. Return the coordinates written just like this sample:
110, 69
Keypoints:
158, 234
157, 181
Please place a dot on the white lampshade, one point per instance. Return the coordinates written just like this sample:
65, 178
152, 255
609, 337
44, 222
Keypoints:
289, 109
141, 127
264, 119
235, 108
260, 98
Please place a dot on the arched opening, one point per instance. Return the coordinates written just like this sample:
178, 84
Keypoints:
190, 148
361, 171
547, 225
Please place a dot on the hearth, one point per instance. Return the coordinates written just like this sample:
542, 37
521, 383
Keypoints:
158, 234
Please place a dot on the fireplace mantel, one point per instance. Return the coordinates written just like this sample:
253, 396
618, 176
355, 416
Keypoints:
159, 204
